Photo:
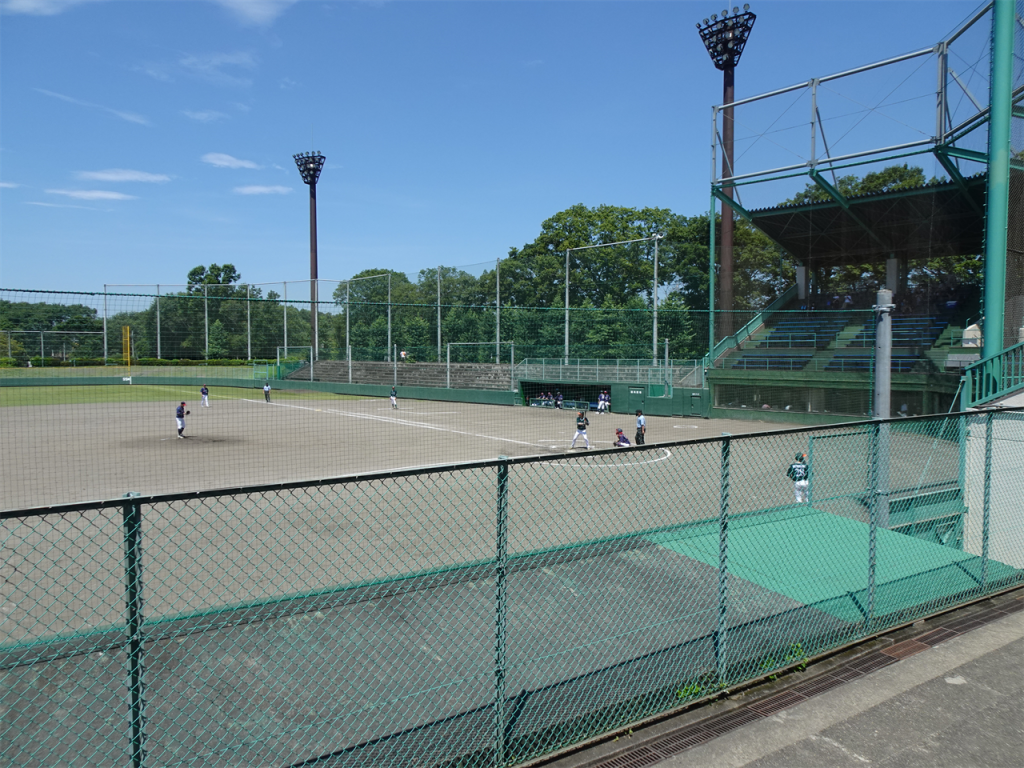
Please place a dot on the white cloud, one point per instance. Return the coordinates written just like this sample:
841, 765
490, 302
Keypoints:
131, 117
257, 190
156, 71
261, 12
8, 185
38, 7
58, 205
211, 67
90, 194
121, 174
226, 161
206, 116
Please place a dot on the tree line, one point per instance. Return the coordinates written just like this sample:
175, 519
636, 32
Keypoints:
611, 295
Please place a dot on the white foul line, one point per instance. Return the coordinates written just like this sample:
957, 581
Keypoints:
402, 422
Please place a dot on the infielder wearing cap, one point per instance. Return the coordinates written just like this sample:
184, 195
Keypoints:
180, 413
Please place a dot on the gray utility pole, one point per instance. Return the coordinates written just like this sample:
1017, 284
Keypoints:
882, 405
654, 296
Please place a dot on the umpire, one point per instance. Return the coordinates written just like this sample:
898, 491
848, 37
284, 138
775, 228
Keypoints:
641, 427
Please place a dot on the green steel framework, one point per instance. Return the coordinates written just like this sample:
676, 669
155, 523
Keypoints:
943, 146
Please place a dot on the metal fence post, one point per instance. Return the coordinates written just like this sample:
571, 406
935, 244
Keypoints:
723, 564
873, 520
500, 613
158, 321
132, 520
104, 323
988, 499
248, 322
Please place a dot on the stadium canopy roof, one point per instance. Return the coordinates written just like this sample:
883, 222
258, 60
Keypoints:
941, 219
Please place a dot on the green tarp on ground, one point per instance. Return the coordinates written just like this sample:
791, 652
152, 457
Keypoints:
821, 560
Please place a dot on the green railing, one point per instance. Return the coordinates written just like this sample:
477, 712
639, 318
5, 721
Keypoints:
993, 377
487, 613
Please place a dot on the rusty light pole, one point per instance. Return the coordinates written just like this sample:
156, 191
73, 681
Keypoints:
310, 164
725, 39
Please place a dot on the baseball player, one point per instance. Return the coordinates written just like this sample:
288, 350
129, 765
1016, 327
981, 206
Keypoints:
602, 402
266, 391
621, 441
205, 392
641, 427
800, 474
581, 429
180, 415
394, 398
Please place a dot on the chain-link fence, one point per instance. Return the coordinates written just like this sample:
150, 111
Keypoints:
486, 613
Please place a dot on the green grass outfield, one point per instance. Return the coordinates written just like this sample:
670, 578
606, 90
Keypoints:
143, 393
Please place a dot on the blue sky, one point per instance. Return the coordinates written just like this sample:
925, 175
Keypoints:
140, 138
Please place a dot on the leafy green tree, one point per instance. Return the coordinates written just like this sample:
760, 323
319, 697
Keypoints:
219, 344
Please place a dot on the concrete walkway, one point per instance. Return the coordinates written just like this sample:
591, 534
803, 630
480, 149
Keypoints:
944, 692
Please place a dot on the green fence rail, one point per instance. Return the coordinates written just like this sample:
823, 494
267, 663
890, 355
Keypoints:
486, 613
994, 377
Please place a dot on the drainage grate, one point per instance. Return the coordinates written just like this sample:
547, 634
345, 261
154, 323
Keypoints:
905, 649
964, 625
936, 636
731, 722
872, 662
818, 685
846, 673
675, 743
638, 758
777, 703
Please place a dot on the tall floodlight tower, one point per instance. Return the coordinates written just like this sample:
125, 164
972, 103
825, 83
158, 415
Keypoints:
310, 164
725, 38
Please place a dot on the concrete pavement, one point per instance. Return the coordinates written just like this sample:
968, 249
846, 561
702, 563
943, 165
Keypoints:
944, 692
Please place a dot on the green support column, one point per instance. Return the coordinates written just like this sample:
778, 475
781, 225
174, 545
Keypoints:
1000, 110
711, 287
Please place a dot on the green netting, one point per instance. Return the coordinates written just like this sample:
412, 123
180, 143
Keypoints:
486, 613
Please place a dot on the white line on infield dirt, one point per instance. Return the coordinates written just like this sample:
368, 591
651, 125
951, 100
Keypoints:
667, 452
400, 422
